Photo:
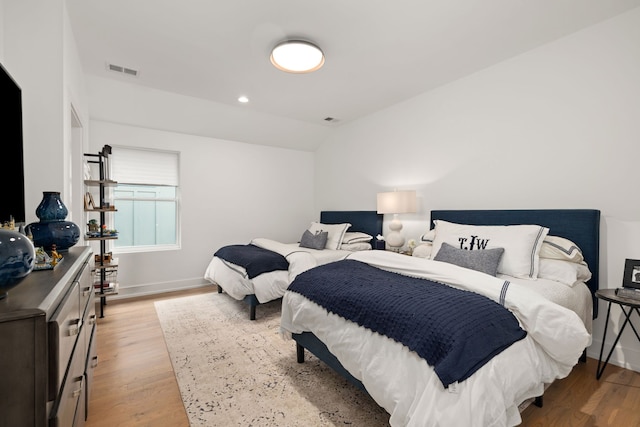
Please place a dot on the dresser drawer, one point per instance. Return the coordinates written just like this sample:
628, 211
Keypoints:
86, 289
92, 364
72, 393
64, 329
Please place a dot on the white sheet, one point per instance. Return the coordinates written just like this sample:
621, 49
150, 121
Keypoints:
403, 383
576, 297
268, 286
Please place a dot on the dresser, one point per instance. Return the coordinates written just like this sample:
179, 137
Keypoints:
48, 345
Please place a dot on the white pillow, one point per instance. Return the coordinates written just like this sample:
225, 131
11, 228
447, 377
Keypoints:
566, 272
357, 246
555, 247
428, 236
356, 237
336, 233
521, 244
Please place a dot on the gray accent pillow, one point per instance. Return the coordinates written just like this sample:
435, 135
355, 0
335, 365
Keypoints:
484, 260
314, 241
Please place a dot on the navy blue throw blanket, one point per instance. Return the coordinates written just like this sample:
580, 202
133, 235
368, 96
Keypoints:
455, 331
254, 259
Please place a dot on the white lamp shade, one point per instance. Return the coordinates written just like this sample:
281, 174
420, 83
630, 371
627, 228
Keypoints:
395, 202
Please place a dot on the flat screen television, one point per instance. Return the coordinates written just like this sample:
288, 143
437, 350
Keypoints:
12, 203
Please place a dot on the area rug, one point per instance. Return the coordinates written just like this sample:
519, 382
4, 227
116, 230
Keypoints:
233, 371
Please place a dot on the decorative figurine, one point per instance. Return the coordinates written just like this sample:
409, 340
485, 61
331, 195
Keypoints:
55, 256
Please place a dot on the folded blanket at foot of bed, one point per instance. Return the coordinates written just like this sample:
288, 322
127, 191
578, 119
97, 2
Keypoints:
255, 260
455, 331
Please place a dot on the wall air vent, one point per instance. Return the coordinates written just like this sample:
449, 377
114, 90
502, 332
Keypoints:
123, 70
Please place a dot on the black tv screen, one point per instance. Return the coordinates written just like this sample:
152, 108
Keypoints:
12, 203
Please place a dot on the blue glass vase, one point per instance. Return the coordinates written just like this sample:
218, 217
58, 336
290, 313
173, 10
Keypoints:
51, 207
52, 228
17, 258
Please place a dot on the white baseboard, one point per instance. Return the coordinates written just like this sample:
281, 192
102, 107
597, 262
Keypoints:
158, 288
623, 355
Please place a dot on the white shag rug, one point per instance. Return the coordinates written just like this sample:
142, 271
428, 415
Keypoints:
233, 371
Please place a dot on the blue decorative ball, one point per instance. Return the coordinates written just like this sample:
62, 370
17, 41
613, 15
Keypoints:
17, 258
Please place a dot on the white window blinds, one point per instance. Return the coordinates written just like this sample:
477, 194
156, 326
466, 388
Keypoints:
144, 167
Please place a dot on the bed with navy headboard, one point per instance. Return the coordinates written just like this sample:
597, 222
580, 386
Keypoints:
253, 280
393, 370
581, 226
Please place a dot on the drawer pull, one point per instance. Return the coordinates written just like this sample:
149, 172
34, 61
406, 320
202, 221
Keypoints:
94, 362
75, 327
86, 291
78, 391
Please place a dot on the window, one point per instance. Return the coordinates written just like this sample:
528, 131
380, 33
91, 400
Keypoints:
146, 198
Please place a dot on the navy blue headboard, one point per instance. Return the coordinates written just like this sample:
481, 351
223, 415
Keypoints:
581, 226
369, 222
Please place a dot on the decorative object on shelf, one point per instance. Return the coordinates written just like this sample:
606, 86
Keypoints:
9, 225
44, 261
89, 203
396, 202
17, 259
86, 171
105, 258
93, 226
52, 228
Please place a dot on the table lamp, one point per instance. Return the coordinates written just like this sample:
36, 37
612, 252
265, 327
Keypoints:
396, 202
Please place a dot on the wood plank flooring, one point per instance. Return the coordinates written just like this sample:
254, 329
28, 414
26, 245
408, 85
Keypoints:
134, 384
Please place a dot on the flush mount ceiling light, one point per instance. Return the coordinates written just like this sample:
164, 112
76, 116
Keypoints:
297, 56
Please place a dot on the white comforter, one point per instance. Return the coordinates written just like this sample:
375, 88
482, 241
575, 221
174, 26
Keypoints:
268, 286
404, 385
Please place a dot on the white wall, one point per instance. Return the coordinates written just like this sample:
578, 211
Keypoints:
231, 192
39, 51
33, 54
556, 127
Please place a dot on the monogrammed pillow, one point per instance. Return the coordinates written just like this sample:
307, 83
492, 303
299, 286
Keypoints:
521, 244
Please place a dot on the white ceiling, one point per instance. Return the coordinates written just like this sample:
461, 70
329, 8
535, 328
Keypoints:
377, 52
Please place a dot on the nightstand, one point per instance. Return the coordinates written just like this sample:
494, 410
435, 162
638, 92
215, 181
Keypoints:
628, 306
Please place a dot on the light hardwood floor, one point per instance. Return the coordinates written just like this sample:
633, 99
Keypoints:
134, 384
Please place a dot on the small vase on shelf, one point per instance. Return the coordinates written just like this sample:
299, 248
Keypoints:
52, 229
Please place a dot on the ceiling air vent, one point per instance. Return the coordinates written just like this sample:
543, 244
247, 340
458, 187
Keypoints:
123, 70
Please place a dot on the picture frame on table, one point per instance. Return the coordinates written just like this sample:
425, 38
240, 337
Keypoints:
631, 278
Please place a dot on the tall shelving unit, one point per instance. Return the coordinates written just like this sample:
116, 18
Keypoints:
105, 273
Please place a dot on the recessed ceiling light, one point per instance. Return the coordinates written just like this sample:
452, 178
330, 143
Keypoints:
297, 56
243, 99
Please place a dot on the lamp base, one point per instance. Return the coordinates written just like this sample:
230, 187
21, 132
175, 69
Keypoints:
395, 239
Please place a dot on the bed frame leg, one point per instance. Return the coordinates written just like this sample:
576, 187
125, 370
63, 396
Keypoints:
583, 358
252, 312
300, 353
538, 401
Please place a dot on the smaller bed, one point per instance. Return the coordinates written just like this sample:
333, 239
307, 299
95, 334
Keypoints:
262, 270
